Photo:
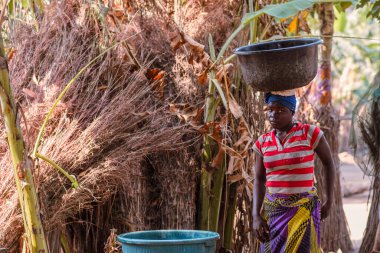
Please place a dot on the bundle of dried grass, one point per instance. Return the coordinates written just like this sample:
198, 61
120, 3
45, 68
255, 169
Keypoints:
104, 130
113, 129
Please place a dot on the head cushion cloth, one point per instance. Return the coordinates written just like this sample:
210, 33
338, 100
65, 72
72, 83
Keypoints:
289, 102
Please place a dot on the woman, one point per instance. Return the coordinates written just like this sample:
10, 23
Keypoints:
286, 207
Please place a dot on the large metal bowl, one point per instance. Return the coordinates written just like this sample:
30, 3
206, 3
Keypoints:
279, 65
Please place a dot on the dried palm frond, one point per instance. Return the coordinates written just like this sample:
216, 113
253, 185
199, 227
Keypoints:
365, 139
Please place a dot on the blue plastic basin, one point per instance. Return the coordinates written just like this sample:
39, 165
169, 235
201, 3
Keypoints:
169, 241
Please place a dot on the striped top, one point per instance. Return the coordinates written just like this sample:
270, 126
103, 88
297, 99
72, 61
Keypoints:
289, 164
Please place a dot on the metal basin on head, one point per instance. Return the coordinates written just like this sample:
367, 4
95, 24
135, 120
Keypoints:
279, 65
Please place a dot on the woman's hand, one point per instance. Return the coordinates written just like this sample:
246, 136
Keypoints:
260, 228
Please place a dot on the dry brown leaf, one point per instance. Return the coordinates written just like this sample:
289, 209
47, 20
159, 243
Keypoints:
156, 76
234, 107
249, 191
303, 25
196, 47
243, 140
293, 26
247, 177
176, 42
29, 93
11, 53
223, 70
240, 189
218, 159
232, 152
205, 128
202, 78
186, 112
230, 168
243, 127
197, 50
325, 98
234, 178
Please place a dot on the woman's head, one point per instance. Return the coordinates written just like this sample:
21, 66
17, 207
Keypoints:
280, 110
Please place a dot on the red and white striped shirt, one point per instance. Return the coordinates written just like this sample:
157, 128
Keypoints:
289, 163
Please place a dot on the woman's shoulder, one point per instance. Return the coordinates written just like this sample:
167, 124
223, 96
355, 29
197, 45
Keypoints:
308, 126
265, 137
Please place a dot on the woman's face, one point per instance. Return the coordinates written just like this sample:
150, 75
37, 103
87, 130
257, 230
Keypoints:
279, 116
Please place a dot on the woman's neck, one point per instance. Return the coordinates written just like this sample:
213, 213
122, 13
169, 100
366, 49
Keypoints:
286, 129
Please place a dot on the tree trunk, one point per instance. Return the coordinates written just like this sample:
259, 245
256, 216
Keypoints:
334, 231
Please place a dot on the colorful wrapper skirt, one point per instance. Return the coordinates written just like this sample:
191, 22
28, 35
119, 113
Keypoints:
294, 222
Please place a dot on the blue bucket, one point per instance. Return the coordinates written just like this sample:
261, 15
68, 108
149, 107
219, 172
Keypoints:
169, 241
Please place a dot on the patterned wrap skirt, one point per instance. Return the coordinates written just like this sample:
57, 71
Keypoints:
294, 222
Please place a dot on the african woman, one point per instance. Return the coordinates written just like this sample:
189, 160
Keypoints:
286, 208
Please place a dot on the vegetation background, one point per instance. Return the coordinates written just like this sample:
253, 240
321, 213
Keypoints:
154, 125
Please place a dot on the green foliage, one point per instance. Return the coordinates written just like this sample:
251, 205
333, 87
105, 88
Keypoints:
284, 10
221, 93
376, 94
374, 8
341, 21
291, 8
355, 61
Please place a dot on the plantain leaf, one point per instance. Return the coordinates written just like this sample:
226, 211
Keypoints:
221, 93
341, 20
293, 25
376, 94
289, 9
284, 10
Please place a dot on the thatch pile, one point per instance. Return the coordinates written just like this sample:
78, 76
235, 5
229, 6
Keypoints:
135, 162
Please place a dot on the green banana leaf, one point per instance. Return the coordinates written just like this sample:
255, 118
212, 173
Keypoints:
283, 10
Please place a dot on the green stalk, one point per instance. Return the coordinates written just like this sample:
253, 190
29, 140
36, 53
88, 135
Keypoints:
26, 190
228, 41
64, 243
232, 189
205, 186
207, 151
219, 175
210, 110
255, 24
229, 226
251, 24
72, 179
216, 193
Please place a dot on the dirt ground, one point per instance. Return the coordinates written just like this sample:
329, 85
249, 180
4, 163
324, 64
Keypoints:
356, 189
